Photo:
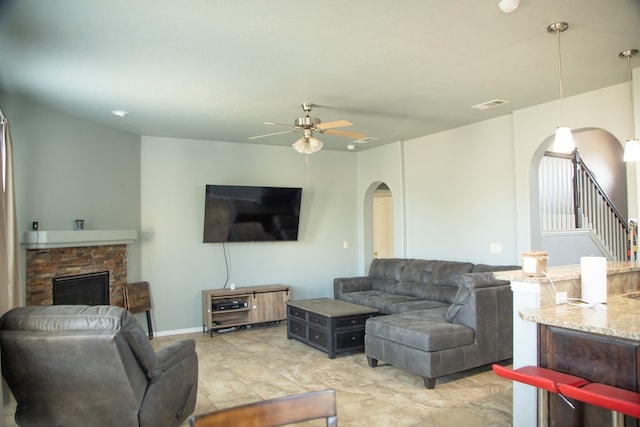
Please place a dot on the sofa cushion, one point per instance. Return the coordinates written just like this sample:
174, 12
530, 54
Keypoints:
413, 289
418, 270
418, 304
383, 301
442, 293
448, 272
426, 330
461, 298
387, 268
384, 285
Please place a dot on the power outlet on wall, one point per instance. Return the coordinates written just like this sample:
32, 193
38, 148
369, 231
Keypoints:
495, 248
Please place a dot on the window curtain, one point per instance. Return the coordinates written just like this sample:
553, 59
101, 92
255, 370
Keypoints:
11, 289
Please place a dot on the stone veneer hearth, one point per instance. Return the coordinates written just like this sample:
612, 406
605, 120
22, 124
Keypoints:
45, 264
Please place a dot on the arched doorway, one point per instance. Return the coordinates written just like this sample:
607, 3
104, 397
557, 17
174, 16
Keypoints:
382, 222
555, 227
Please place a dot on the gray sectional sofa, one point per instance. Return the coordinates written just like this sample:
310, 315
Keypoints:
439, 317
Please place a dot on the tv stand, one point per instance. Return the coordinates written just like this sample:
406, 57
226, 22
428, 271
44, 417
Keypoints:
226, 308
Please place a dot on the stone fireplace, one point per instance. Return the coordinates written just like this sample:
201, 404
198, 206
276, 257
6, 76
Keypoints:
45, 265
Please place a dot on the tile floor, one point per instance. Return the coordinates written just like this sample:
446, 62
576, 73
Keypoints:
260, 362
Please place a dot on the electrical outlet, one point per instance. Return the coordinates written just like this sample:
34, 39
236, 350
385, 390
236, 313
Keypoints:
495, 248
561, 297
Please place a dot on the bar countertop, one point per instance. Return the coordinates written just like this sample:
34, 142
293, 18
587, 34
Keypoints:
566, 272
619, 317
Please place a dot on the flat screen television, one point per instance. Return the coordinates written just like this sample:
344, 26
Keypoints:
235, 213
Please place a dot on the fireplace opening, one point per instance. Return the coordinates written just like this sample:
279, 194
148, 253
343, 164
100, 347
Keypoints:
88, 289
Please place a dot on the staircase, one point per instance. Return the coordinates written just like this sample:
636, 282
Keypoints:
572, 201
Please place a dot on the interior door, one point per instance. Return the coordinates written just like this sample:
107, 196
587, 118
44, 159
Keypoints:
382, 220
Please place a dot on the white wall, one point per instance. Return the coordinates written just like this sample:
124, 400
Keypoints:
460, 194
67, 168
179, 266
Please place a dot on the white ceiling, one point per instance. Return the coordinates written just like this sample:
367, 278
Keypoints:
216, 70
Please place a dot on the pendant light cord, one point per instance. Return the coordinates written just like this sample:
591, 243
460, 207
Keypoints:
561, 79
631, 117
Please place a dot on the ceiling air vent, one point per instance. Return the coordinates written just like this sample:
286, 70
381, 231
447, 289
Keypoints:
365, 140
490, 104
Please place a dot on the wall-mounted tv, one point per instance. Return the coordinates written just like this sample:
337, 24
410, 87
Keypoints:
234, 213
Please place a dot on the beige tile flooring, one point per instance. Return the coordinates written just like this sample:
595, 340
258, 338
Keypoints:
260, 362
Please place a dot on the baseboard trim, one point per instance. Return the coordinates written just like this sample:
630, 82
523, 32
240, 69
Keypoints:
177, 332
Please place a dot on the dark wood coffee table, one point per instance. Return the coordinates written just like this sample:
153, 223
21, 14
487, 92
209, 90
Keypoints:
333, 326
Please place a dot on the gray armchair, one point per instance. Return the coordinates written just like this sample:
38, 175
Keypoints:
81, 365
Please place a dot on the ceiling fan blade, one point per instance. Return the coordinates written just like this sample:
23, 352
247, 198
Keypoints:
271, 134
277, 124
334, 124
338, 132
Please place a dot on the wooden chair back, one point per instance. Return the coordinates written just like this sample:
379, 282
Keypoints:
274, 412
137, 299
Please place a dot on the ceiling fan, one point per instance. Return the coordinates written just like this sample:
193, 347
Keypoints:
308, 144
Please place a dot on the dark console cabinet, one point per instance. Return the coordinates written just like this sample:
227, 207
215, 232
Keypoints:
332, 332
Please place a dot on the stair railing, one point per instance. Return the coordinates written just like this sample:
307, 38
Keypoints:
571, 198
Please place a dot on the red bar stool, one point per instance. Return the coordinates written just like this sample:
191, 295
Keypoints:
545, 380
621, 402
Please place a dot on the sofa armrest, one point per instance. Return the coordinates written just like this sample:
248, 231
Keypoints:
482, 280
344, 285
485, 305
175, 352
172, 397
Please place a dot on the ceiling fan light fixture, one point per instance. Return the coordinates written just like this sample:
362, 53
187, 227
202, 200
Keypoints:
315, 144
307, 145
299, 145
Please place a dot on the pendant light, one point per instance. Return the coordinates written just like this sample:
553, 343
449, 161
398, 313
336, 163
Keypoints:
563, 141
632, 146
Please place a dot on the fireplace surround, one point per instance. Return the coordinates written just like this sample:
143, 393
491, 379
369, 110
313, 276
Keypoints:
43, 265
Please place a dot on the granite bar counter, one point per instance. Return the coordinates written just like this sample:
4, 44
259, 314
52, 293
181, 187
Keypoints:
622, 277
597, 342
535, 313
619, 317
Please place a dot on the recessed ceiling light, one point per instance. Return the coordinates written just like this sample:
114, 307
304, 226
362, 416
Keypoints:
508, 6
351, 147
120, 113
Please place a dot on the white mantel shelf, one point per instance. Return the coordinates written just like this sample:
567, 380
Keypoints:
42, 239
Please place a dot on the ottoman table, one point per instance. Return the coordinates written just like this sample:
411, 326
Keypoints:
330, 325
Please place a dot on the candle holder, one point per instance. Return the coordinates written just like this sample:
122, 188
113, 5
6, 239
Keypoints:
534, 263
